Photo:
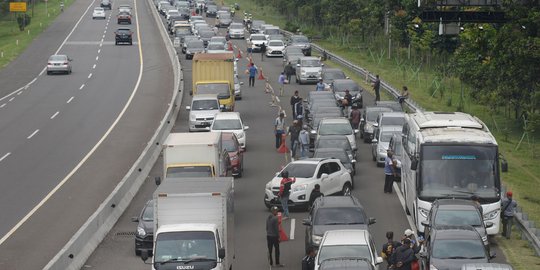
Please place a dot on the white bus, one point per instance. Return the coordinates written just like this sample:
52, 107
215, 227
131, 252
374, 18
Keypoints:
449, 155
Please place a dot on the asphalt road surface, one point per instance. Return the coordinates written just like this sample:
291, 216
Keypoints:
67, 140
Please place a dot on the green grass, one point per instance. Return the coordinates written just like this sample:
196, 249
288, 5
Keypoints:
10, 33
523, 177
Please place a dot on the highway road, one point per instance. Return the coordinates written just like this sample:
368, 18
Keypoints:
67, 140
261, 163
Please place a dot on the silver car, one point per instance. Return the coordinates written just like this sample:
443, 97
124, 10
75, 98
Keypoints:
60, 63
381, 141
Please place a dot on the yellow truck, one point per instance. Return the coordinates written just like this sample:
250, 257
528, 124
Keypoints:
213, 73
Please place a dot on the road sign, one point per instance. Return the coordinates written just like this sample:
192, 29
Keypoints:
17, 6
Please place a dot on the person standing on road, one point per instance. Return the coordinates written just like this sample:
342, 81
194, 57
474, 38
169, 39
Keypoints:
377, 86
356, 116
272, 235
304, 141
508, 207
316, 193
289, 71
295, 99
281, 81
389, 171
308, 262
319, 86
294, 132
346, 102
389, 247
279, 128
285, 191
403, 256
263, 51
252, 73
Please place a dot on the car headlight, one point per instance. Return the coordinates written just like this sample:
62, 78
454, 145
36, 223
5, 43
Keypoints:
192, 117
269, 185
141, 232
316, 239
241, 135
424, 212
299, 188
303, 72
491, 215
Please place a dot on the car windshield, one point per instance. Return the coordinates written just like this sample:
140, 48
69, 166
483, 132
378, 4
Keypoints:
387, 135
189, 171
341, 86
311, 63
342, 156
216, 46
334, 143
183, 31
335, 129
225, 16
374, 113
227, 124
222, 90
348, 251
98, 9
258, 38
458, 217
333, 75
183, 246
299, 39
230, 146
458, 249
57, 58
236, 26
148, 214
195, 44
337, 216
204, 105
275, 43
207, 34
272, 31
123, 31
301, 170
393, 121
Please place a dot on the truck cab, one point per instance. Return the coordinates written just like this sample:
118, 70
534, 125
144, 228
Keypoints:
214, 74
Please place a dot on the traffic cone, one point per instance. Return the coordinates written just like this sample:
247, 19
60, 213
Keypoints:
283, 147
261, 76
282, 235
250, 61
239, 55
230, 46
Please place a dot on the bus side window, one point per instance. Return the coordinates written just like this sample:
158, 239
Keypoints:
405, 134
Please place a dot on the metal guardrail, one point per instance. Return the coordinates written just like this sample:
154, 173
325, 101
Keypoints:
75, 253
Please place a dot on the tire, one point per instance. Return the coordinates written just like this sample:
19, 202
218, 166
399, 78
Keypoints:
346, 190
131, 43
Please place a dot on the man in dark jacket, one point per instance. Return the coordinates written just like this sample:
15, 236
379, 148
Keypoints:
295, 99
272, 235
308, 262
289, 71
263, 51
316, 193
389, 247
403, 256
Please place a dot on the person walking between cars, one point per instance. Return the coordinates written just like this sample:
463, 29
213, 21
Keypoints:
294, 133
272, 236
295, 99
316, 193
279, 128
376, 87
304, 141
346, 102
252, 73
263, 51
356, 116
285, 191
308, 262
319, 86
508, 206
281, 81
389, 247
403, 256
289, 71
389, 171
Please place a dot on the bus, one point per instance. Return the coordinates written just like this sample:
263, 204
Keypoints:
449, 155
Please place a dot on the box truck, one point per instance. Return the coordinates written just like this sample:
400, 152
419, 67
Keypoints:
213, 73
195, 155
193, 224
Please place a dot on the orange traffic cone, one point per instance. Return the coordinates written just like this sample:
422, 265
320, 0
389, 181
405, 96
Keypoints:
230, 48
282, 235
283, 147
239, 55
261, 76
250, 61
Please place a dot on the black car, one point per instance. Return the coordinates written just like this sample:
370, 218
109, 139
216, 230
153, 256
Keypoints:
331, 74
335, 141
144, 236
211, 11
334, 213
346, 264
450, 247
339, 153
106, 4
123, 35
339, 86
302, 42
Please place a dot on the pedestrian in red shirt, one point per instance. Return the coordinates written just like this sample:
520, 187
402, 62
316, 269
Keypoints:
285, 191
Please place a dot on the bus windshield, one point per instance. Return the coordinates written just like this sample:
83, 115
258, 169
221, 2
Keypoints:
459, 171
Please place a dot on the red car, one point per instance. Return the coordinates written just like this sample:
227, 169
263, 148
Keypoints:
123, 17
236, 153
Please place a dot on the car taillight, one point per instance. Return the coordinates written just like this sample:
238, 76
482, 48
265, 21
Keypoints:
50, 64
65, 63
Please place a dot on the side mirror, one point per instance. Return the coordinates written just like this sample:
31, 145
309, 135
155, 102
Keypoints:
356, 131
353, 161
306, 222
134, 219
322, 65
144, 255
376, 124
489, 225
324, 176
297, 65
157, 179
414, 164
374, 140
188, 108
221, 253
371, 221
378, 260
246, 127
425, 224
313, 132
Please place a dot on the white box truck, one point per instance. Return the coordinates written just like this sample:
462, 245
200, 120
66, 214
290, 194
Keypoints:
193, 224
195, 155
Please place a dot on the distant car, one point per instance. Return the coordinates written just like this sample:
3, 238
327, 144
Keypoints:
380, 143
337, 126
144, 235
99, 12
106, 4
368, 121
219, 39
336, 141
215, 47
211, 10
349, 244
236, 153
230, 121
236, 30
334, 213
302, 42
124, 8
193, 47
224, 20
275, 48
341, 154
276, 37
256, 41
331, 74
185, 39
308, 69
205, 36
59, 63
123, 17
123, 35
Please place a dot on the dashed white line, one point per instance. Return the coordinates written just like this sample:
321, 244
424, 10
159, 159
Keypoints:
99, 51
55, 114
89, 75
101, 44
82, 86
69, 100
293, 223
94, 66
11, 99
3, 105
19, 93
5, 156
33, 133
104, 31
97, 58
103, 36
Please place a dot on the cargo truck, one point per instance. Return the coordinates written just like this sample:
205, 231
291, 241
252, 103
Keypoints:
193, 224
195, 155
213, 73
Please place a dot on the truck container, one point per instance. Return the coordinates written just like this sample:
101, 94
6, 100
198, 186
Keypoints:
193, 224
195, 155
213, 73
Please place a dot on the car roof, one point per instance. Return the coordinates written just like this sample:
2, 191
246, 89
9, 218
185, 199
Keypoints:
345, 237
310, 160
332, 70
344, 81
330, 150
275, 40
333, 137
124, 29
379, 109
391, 128
309, 58
227, 115
335, 120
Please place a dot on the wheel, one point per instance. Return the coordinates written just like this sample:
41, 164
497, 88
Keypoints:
137, 252
131, 43
346, 190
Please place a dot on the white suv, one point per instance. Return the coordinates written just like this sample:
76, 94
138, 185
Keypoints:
329, 173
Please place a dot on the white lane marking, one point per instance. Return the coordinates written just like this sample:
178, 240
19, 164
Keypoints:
94, 66
85, 158
11, 99
82, 86
89, 75
97, 58
293, 224
402, 201
101, 44
33, 133
69, 100
3, 105
55, 114
5, 156
59, 48
103, 36
26, 86
104, 31
32, 81
99, 51
19, 93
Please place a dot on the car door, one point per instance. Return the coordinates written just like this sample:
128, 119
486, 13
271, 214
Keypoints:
326, 187
335, 177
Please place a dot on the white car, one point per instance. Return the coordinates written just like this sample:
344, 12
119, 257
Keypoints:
275, 48
99, 12
347, 244
215, 47
337, 126
237, 88
236, 30
230, 122
202, 111
381, 142
256, 41
329, 173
